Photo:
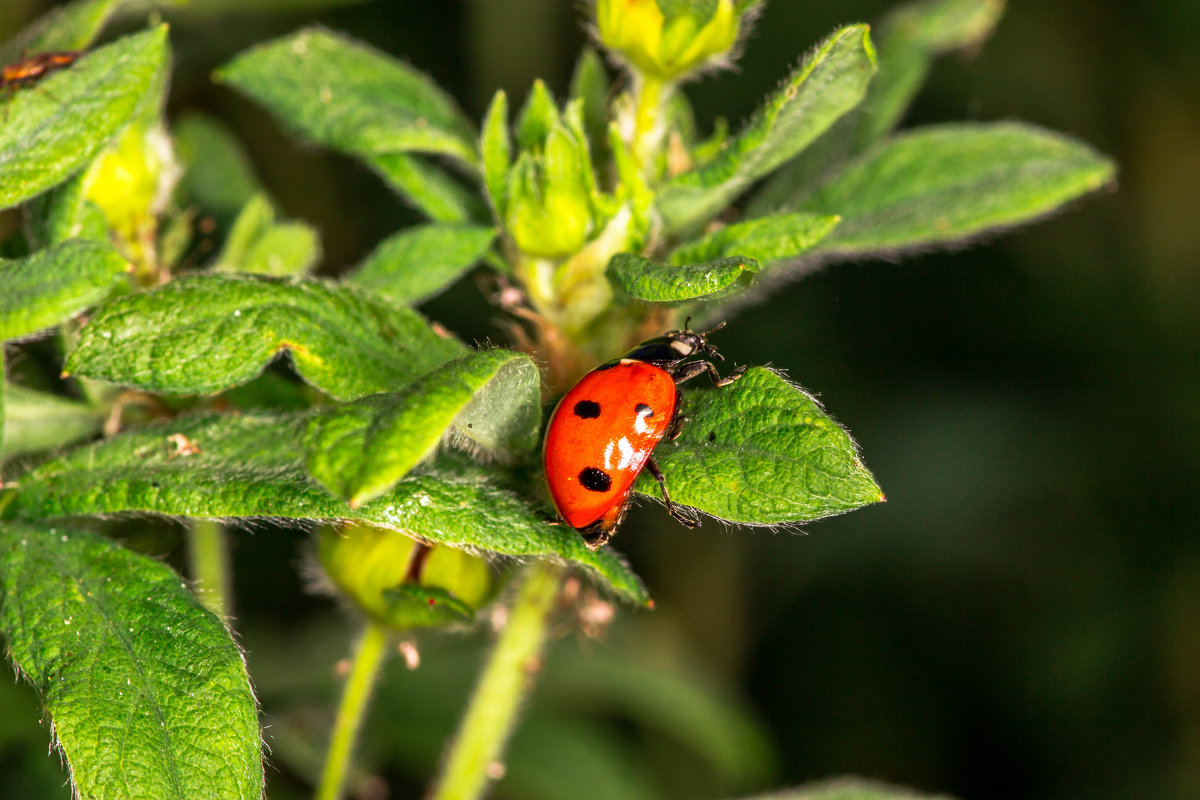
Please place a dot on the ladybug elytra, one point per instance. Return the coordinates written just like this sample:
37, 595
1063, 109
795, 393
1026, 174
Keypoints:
604, 430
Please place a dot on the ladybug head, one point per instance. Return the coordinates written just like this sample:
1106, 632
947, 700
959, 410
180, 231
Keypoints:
688, 343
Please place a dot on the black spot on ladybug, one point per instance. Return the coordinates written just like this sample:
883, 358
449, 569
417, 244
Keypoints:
712, 436
587, 409
595, 480
644, 410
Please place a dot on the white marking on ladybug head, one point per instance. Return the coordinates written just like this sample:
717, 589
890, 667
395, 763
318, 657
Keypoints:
682, 347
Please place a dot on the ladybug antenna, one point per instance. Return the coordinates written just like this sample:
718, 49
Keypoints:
713, 329
687, 323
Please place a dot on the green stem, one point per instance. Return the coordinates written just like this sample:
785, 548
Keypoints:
647, 125
492, 712
209, 556
368, 659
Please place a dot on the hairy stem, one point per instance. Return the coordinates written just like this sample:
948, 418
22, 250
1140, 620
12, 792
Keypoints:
474, 758
208, 554
648, 125
368, 660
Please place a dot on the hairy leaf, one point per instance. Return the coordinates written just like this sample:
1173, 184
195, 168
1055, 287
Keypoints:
495, 151
351, 97
252, 466
260, 245
946, 183
761, 452
64, 212
147, 691
537, 118
361, 449
589, 84
55, 284
420, 262
59, 124
909, 40
429, 188
831, 81
764, 239
35, 421
655, 282
71, 27
205, 333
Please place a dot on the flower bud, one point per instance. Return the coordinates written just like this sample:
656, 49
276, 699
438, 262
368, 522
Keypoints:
549, 208
667, 43
374, 567
132, 181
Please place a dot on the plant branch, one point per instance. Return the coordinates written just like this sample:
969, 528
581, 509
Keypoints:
368, 660
508, 676
208, 553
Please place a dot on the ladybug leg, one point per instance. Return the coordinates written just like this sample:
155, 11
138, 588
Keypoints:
694, 368
596, 540
684, 518
677, 427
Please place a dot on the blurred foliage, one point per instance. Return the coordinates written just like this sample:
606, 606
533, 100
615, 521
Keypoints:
1023, 608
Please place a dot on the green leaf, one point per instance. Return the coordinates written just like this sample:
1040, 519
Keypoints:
589, 84
63, 213
764, 239
218, 176
147, 691
655, 282
71, 27
253, 466
288, 248
495, 151
259, 245
34, 421
832, 80
413, 606
55, 284
429, 188
55, 127
361, 449
205, 333
946, 183
418, 263
537, 118
348, 96
761, 452
909, 40
848, 789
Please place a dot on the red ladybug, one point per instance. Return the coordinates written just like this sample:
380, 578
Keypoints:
604, 430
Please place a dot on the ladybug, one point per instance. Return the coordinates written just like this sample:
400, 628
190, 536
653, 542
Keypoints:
604, 430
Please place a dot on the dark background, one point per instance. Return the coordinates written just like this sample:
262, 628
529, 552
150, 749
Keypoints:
1020, 619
